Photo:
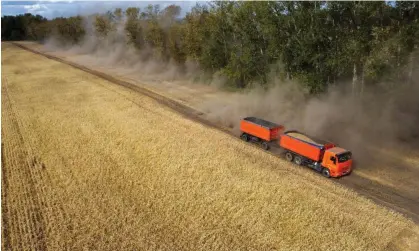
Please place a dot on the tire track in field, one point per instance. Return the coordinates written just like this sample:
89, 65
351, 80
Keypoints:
5, 238
379, 193
15, 207
39, 176
27, 225
31, 215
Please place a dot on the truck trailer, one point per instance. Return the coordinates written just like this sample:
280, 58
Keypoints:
260, 131
322, 156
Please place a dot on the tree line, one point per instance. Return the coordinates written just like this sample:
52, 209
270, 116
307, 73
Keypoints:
23, 27
316, 43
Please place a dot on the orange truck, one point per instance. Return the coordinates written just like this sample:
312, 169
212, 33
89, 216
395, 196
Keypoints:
325, 157
322, 156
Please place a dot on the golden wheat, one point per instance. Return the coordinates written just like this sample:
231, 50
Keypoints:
114, 170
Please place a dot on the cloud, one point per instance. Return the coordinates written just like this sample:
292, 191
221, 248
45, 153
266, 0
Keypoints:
35, 9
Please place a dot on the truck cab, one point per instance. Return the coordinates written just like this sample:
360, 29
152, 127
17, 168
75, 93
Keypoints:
336, 162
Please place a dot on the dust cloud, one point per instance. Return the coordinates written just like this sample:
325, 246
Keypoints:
115, 51
380, 118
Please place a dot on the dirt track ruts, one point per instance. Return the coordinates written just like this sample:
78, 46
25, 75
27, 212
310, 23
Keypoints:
379, 193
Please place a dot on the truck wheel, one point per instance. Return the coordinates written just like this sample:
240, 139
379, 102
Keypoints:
265, 145
244, 137
289, 156
298, 160
326, 172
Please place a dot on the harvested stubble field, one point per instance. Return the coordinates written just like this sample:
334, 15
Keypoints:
395, 172
87, 164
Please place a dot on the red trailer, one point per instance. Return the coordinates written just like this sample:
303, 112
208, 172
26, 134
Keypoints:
260, 131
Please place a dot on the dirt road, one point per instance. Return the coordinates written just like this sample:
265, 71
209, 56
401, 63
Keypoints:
405, 203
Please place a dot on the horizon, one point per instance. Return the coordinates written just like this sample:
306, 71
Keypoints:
54, 9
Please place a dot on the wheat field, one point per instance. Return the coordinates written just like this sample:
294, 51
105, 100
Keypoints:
89, 165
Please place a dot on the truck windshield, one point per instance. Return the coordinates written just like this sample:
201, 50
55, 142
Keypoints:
344, 157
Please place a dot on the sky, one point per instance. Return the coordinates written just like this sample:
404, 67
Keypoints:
52, 9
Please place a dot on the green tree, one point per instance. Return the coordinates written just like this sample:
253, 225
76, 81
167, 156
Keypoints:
104, 24
196, 31
316, 43
133, 28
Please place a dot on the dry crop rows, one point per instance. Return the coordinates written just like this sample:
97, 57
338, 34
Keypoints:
88, 167
399, 194
30, 208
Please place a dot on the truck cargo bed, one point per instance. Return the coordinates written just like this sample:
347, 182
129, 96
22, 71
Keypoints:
304, 145
260, 128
